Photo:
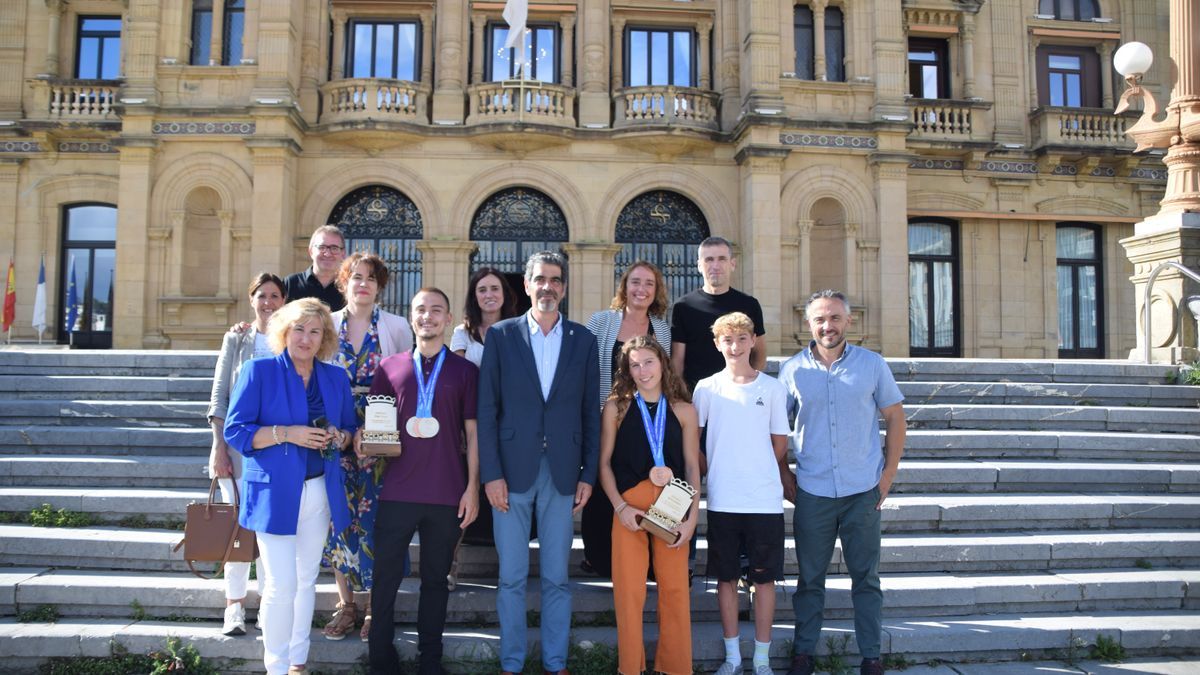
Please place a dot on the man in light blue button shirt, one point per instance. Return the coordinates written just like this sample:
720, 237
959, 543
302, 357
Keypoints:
843, 475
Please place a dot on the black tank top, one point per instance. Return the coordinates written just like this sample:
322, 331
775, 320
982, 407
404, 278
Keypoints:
631, 459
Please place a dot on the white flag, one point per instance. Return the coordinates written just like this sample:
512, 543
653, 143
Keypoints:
39, 301
515, 13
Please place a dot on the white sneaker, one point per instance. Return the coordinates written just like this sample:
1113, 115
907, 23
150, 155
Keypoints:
235, 620
728, 668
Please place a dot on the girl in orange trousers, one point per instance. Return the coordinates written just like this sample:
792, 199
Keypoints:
649, 433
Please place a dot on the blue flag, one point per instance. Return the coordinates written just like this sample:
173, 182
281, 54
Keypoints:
72, 300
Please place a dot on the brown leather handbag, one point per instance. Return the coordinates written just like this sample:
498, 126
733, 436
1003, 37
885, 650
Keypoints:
211, 534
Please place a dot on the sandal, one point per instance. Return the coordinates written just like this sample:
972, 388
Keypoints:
342, 621
365, 633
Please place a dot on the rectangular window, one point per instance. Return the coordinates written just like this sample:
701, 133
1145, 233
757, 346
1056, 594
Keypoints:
235, 27
835, 46
928, 68
384, 49
98, 48
802, 24
541, 54
1068, 77
202, 19
660, 57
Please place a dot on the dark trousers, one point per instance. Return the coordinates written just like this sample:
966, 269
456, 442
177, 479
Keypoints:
595, 525
395, 524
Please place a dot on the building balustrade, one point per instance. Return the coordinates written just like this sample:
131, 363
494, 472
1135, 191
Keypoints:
1081, 127
655, 105
537, 102
381, 100
77, 100
944, 119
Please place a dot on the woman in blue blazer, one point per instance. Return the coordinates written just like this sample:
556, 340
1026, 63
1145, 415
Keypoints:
291, 417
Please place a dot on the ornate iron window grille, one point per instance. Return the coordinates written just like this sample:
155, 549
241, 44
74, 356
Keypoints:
384, 221
664, 228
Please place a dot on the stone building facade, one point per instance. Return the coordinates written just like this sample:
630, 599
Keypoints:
953, 165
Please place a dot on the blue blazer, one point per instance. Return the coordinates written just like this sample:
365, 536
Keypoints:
269, 392
516, 426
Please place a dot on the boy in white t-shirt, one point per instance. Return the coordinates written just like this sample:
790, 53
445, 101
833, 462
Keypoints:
745, 414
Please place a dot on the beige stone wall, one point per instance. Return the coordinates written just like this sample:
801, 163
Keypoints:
220, 172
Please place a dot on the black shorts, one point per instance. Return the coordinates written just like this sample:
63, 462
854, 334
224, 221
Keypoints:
760, 535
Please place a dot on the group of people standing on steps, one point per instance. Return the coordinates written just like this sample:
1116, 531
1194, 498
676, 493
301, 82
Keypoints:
532, 414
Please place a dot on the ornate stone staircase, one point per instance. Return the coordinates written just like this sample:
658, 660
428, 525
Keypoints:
1038, 503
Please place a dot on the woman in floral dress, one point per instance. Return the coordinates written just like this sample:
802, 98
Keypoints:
366, 334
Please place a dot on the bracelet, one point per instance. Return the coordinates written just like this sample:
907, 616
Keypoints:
621, 506
275, 433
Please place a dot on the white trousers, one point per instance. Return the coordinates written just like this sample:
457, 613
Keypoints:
292, 563
237, 574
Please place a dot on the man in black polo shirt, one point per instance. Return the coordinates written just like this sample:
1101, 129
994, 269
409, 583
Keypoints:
327, 248
693, 351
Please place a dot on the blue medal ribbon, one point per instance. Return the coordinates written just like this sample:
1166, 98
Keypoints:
425, 389
656, 431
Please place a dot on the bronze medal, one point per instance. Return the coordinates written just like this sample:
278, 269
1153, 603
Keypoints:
661, 475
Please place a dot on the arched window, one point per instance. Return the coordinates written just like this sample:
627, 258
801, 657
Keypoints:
664, 228
512, 225
1069, 10
1080, 294
384, 221
933, 288
87, 275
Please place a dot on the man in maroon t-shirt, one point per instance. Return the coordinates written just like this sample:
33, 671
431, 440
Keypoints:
426, 489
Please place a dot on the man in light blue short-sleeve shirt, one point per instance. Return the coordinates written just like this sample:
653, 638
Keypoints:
843, 473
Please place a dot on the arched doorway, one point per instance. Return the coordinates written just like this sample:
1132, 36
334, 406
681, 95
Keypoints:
88, 262
512, 225
664, 228
384, 221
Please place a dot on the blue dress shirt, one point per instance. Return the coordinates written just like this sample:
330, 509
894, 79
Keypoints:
836, 428
546, 348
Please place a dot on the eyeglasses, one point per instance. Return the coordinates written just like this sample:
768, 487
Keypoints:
324, 248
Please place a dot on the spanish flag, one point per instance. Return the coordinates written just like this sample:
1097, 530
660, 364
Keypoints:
10, 297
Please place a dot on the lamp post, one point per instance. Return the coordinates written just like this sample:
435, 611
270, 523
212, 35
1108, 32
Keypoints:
1173, 234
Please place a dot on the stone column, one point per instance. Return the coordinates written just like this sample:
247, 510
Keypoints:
727, 79
820, 68
891, 188
759, 231
1034, 43
427, 49
216, 41
54, 12
449, 95
478, 38
339, 44
174, 279
850, 254
135, 309
704, 53
250, 34
567, 55
226, 264
595, 99
890, 47
618, 52
446, 264
590, 283
759, 39
139, 51
274, 226
805, 226
1105, 49
278, 50
968, 54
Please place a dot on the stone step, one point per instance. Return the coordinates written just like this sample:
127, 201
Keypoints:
129, 595
1053, 417
1044, 394
916, 476
1031, 370
113, 548
106, 388
901, 513
84, 440
143, 363
918, 638
141, 413
1057, 444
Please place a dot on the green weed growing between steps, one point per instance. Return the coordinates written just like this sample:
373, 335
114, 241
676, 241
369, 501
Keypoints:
1107, 649
1190, 374
40, 614
175, 657
46, 516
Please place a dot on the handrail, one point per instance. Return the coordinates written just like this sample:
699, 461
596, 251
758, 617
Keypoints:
1146, 298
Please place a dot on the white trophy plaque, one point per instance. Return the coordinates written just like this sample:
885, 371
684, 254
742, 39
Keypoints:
380, 436
669, 510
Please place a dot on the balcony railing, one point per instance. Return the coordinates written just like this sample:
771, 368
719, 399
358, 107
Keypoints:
681, 106
381, 100
542, 103
1081, 127
943, 119
76, 100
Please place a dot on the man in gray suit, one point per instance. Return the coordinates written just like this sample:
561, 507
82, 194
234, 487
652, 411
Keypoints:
539, 442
